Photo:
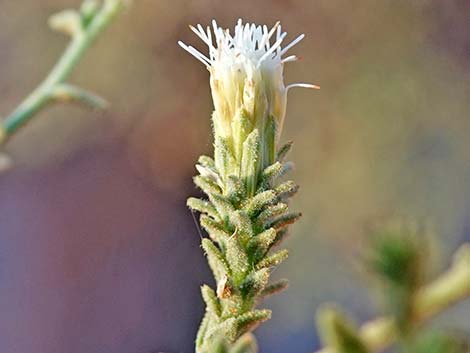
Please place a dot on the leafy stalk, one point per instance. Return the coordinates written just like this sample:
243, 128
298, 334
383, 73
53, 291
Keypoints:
245, 216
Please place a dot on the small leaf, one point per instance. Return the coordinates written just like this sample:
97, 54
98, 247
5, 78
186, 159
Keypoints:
250, 161
259, 245
269, 142
236, 258
65, 92
216, 344
219, 347
286, 189
245, 344
211, 300
88, 10
255, 283
202, 206
272, 211
274, 288
280, 236
242, 223
250, 320
235, 189
274, 259
207, 162
223, 205
209, 173
241, 128
202, 331
224, 159
284, 150
284, 221
337, 332
215, 230
227, 328
67, 21
398, 259
216, 259
271, 172
207, 185
256, 204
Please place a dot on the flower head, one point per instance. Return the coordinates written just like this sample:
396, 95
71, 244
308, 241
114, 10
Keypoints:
246, 73
246, 78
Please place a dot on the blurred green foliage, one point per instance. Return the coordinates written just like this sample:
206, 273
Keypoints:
398, 258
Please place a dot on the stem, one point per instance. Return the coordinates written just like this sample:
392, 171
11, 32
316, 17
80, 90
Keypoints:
245, 216
451, 287
45, 93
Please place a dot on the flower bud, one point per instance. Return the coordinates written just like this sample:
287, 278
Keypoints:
246, 79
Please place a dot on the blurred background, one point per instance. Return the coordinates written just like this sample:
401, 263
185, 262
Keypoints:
98, 252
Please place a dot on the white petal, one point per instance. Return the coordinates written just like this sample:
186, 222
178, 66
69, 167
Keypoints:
291, 44
302, 85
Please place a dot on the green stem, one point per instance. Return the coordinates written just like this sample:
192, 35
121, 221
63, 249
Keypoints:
45, 92
450, 288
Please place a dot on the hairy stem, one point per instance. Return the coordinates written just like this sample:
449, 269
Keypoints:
451, 287
53, 88
246, 216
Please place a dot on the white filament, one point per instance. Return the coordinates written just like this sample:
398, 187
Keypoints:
249, 43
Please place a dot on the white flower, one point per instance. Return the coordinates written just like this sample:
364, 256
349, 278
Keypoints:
246, 73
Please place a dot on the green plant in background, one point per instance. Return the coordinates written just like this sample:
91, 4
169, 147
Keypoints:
246, 215
398, 258
83, 26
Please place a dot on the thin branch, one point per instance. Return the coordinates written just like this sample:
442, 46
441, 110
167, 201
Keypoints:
83, 28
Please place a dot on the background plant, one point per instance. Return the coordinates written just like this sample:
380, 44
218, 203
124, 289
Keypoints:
400, 260
83, 26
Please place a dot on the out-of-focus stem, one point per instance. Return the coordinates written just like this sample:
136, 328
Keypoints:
449, 288
52, 88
